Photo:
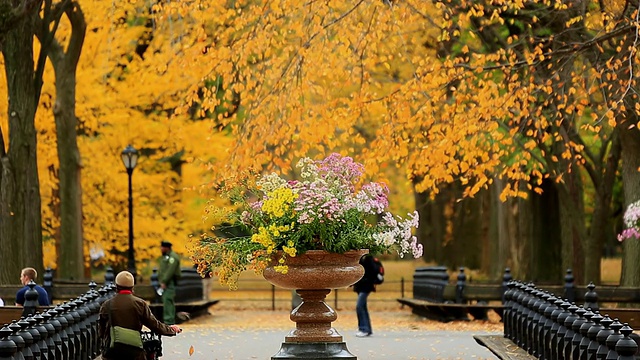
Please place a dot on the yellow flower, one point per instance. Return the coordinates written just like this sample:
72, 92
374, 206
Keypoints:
263, 237
276, 230
291, 251
283, 269
278, 202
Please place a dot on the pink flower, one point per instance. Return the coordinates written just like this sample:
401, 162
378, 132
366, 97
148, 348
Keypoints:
631, 219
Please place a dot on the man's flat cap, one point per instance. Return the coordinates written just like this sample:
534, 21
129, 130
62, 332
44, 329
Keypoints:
165, 243
125, 279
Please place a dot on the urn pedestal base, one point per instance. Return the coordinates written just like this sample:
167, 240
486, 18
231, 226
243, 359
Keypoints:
312, 275
313, 318
316, 351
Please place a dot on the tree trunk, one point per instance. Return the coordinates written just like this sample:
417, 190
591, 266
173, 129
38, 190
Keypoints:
71, 255
452, 249
487, 233
601, 228
546, 260
467, 229
572, 223
498, 232
627, 125
423, 233
20, 212
511, 233
524, 235
630, 140
486, 236
432, 227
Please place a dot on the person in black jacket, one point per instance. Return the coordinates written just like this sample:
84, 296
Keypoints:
364, 287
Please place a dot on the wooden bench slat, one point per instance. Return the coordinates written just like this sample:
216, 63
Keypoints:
447, 312
502, 347
631, 316
194, 308
9, 313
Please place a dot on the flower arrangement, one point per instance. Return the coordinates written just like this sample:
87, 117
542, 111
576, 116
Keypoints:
631, 222
324, 210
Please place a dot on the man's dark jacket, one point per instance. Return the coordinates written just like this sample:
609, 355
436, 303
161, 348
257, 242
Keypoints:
366, 284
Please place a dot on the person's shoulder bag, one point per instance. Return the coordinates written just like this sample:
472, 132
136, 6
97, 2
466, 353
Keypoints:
123, 336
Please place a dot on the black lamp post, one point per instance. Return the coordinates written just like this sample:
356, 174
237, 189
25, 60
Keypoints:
130, 160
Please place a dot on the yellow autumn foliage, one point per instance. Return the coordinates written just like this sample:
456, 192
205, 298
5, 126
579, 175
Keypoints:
123, 98
206, 89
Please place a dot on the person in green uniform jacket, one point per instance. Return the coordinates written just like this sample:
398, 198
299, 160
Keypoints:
168, 276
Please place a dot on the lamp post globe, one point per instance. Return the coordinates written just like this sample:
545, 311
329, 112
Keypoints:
130, 160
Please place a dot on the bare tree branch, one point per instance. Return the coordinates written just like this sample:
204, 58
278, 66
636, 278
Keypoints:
78, 32
566, 50
3, 151
47, 37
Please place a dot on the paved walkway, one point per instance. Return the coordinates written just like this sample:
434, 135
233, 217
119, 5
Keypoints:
242, 335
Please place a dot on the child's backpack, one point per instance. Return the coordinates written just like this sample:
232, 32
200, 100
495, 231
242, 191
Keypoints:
379, 279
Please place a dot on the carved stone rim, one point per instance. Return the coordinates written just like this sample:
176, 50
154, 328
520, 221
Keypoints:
317, 269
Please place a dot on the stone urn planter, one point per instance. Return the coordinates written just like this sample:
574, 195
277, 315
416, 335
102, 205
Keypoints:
313, 275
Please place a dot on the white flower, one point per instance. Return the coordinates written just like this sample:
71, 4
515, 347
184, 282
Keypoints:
385, 239
270, 182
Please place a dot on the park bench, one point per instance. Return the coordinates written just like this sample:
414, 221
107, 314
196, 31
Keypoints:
502, 347
61, 291
435, 298
66, 331
438, 298
9, 313
532, 314
624, 315
190, 299
449, 311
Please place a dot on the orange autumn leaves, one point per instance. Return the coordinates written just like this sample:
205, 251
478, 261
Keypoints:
208, 88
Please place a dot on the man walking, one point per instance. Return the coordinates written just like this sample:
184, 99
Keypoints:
168, 276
